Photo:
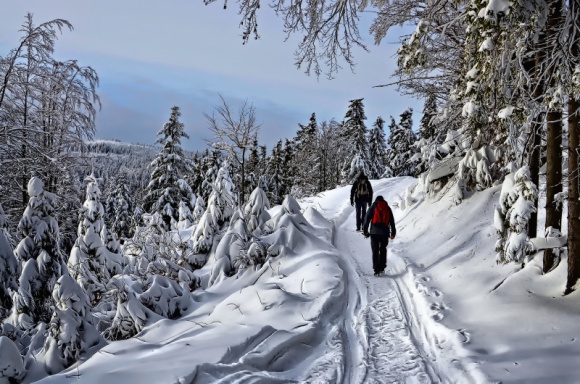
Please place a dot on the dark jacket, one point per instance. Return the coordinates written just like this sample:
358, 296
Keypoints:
353, 195
379, 229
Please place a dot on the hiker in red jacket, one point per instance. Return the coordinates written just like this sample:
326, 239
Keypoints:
382, 223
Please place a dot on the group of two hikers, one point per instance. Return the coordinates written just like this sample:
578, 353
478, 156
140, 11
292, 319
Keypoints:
379, 217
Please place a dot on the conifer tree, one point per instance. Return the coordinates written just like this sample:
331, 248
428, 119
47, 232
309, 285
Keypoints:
401, 142
255, 210
164, 191
40, 256
88, 263
427, 126
71, 331
306, 159
122, 208
198, 210
516, 203
220, 208
355, 134
9, 269
377, 149
276, 173
288, 168
253, 168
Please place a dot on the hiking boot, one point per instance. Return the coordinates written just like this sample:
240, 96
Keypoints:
377, 274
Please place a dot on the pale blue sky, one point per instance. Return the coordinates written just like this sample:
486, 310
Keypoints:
153, 55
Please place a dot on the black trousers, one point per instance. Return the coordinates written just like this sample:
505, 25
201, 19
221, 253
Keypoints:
361, 211
379, 246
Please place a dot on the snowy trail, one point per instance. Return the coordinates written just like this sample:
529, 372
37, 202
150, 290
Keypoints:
393, 344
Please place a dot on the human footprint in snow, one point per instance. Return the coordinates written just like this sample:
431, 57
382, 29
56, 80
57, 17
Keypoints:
382, 227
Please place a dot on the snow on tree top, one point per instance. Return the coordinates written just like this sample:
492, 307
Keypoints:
35, 187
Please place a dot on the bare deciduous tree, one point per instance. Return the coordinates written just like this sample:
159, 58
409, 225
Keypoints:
234, 133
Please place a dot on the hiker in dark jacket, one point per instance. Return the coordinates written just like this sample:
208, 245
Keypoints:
361, 195
382, 227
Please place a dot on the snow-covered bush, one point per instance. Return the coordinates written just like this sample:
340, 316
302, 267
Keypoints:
131, 315
11, 366
477, 170
516, 204
165, 297
255, 256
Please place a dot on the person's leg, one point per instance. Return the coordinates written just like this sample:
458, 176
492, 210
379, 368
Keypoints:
375, 244
383, 253
364, 208
359, 221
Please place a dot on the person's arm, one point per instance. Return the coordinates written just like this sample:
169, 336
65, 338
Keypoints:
392, 225
370, 192
352, 191
368, 218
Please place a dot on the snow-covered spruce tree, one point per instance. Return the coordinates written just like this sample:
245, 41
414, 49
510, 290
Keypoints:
40, 256
210, 167
306, 158
69, 194
71, 332
185, 216
377, 149
165, 191
331, 149
401, 145
9, 269
220, 207
255, 210
198, 210
516, 203
122, 209
275, 172
87, 263
230, 248
355, 134
252, 164
427, 143
426, 125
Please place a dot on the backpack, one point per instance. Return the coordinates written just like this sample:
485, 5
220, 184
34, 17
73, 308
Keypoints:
362, 189
382, 213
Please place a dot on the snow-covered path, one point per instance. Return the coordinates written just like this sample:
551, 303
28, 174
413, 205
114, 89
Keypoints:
382, 319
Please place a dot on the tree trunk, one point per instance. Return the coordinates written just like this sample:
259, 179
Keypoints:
573, 195
553, 142
537, 125
573, 167
553, 182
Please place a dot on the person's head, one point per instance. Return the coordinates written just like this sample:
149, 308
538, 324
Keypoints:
361, 175
380, 198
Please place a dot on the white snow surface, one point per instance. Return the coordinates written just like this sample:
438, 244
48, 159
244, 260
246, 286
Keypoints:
444, 313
